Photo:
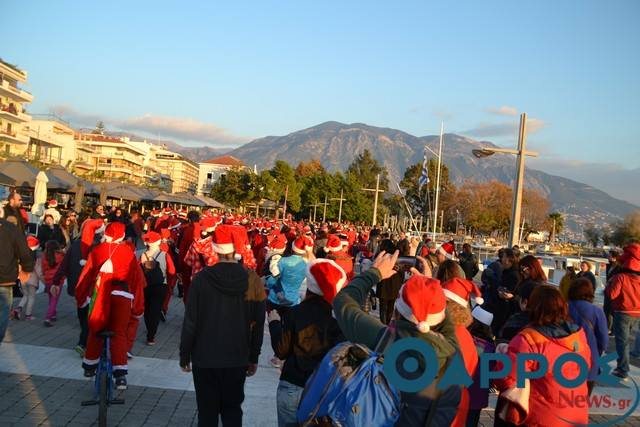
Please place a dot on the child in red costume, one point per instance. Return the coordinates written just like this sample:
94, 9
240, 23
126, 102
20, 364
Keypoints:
112, 283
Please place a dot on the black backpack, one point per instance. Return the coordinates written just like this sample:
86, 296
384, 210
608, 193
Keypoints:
152, 271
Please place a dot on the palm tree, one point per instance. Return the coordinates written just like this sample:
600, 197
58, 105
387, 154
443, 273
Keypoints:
556, 222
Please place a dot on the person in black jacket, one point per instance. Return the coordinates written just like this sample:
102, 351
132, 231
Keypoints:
16, 263
49, 230
13, 210
306, 334
469, 262
221, 334
501, 298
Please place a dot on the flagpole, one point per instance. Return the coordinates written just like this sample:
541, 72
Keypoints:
435, 210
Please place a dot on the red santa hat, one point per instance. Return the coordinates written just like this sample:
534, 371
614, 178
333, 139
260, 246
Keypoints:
278, 244
447, 249
224, 239
155, 213
458, 290
302, 244
344, 239
207, 224
422, 302
333, 244
165, 233
182, 214
114, 233
33, 242
325, 278
307, 230
151, 237
53, 203
630, 258
90, 228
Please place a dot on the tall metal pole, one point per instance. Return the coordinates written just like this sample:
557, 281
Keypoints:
284, 209
324, 211
375, 202
514, 231
435, 211
340, 209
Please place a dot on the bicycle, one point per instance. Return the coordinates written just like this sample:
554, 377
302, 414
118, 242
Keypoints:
104, 382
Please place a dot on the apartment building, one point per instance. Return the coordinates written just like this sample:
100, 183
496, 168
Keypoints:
211, 170
51, 140
13, 141
183, 172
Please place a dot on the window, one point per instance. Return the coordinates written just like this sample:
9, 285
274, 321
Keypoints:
209, 176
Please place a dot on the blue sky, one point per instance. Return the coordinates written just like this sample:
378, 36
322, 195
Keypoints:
222, 73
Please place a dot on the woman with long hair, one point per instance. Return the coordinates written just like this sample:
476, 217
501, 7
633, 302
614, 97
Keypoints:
51, 259
66, 227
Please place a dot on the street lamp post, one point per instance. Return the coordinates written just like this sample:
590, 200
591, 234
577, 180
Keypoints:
521, 153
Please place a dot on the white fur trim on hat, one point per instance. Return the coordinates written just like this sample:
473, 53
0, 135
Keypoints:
479, 300
297, 250
455, 297
223, 248
424, 326
446, 254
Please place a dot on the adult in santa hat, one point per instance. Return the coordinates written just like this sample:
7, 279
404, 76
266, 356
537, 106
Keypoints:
158, 268
420, 313
189, 232
336, 250
303, 246
457, 292
112, 284
445, 251
201, 253
275, 249
287, 269
90, 235
308, 334
243, 247
225, 307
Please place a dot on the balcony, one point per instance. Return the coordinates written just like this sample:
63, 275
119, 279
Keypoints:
9, 112
13, 137
14, 92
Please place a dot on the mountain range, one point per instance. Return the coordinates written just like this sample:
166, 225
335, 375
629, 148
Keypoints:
336, 145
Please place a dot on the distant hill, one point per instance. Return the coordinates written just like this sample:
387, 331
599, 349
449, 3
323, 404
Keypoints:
336, 144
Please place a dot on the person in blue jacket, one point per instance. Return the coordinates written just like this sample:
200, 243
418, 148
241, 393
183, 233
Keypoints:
592, 320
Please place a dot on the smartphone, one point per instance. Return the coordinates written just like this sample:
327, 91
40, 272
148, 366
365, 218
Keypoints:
405, 263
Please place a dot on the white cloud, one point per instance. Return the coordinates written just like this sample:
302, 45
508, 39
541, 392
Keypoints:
183, 129
489, 129
505, 110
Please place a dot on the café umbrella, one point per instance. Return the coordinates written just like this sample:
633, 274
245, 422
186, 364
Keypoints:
39, 194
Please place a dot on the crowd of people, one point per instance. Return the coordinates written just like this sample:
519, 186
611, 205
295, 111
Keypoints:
315, 285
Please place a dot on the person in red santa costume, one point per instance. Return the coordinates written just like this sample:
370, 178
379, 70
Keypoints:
457, 291
201, 253
189, 231
112, 284
336, 251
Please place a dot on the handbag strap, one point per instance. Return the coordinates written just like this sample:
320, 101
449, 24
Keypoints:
387, 339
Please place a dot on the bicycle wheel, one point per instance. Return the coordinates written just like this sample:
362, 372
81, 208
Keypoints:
102, 411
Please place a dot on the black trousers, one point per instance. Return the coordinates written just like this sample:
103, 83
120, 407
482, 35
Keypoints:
83, 319
219, 392
153, 299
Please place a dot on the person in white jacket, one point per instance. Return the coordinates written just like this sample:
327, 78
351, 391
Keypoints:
30, 287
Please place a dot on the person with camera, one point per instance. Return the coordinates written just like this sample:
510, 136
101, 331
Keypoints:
420, 312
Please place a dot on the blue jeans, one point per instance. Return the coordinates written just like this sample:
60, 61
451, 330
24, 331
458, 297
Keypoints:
623, 324
288, 398
6, 300
636, 347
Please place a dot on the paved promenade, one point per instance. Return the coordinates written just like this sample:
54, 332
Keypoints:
41, 381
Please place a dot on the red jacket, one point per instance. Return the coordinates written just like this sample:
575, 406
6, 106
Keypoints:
49, 271
546, 404
624, 291
185, 242
344, 261
470, 359
125, 268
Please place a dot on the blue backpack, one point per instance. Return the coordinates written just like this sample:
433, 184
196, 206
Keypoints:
349, 388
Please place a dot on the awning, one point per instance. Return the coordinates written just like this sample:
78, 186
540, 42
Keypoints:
24, 175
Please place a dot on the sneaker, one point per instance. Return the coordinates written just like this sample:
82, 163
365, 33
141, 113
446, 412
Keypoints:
89, 372
151, 342
54, 318
15, 313
80, 350
121, 383
129, 356
163, 315
29, 317
276, 363
48, 323
617, 373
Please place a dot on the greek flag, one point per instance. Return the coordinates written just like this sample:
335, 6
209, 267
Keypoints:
424, 177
